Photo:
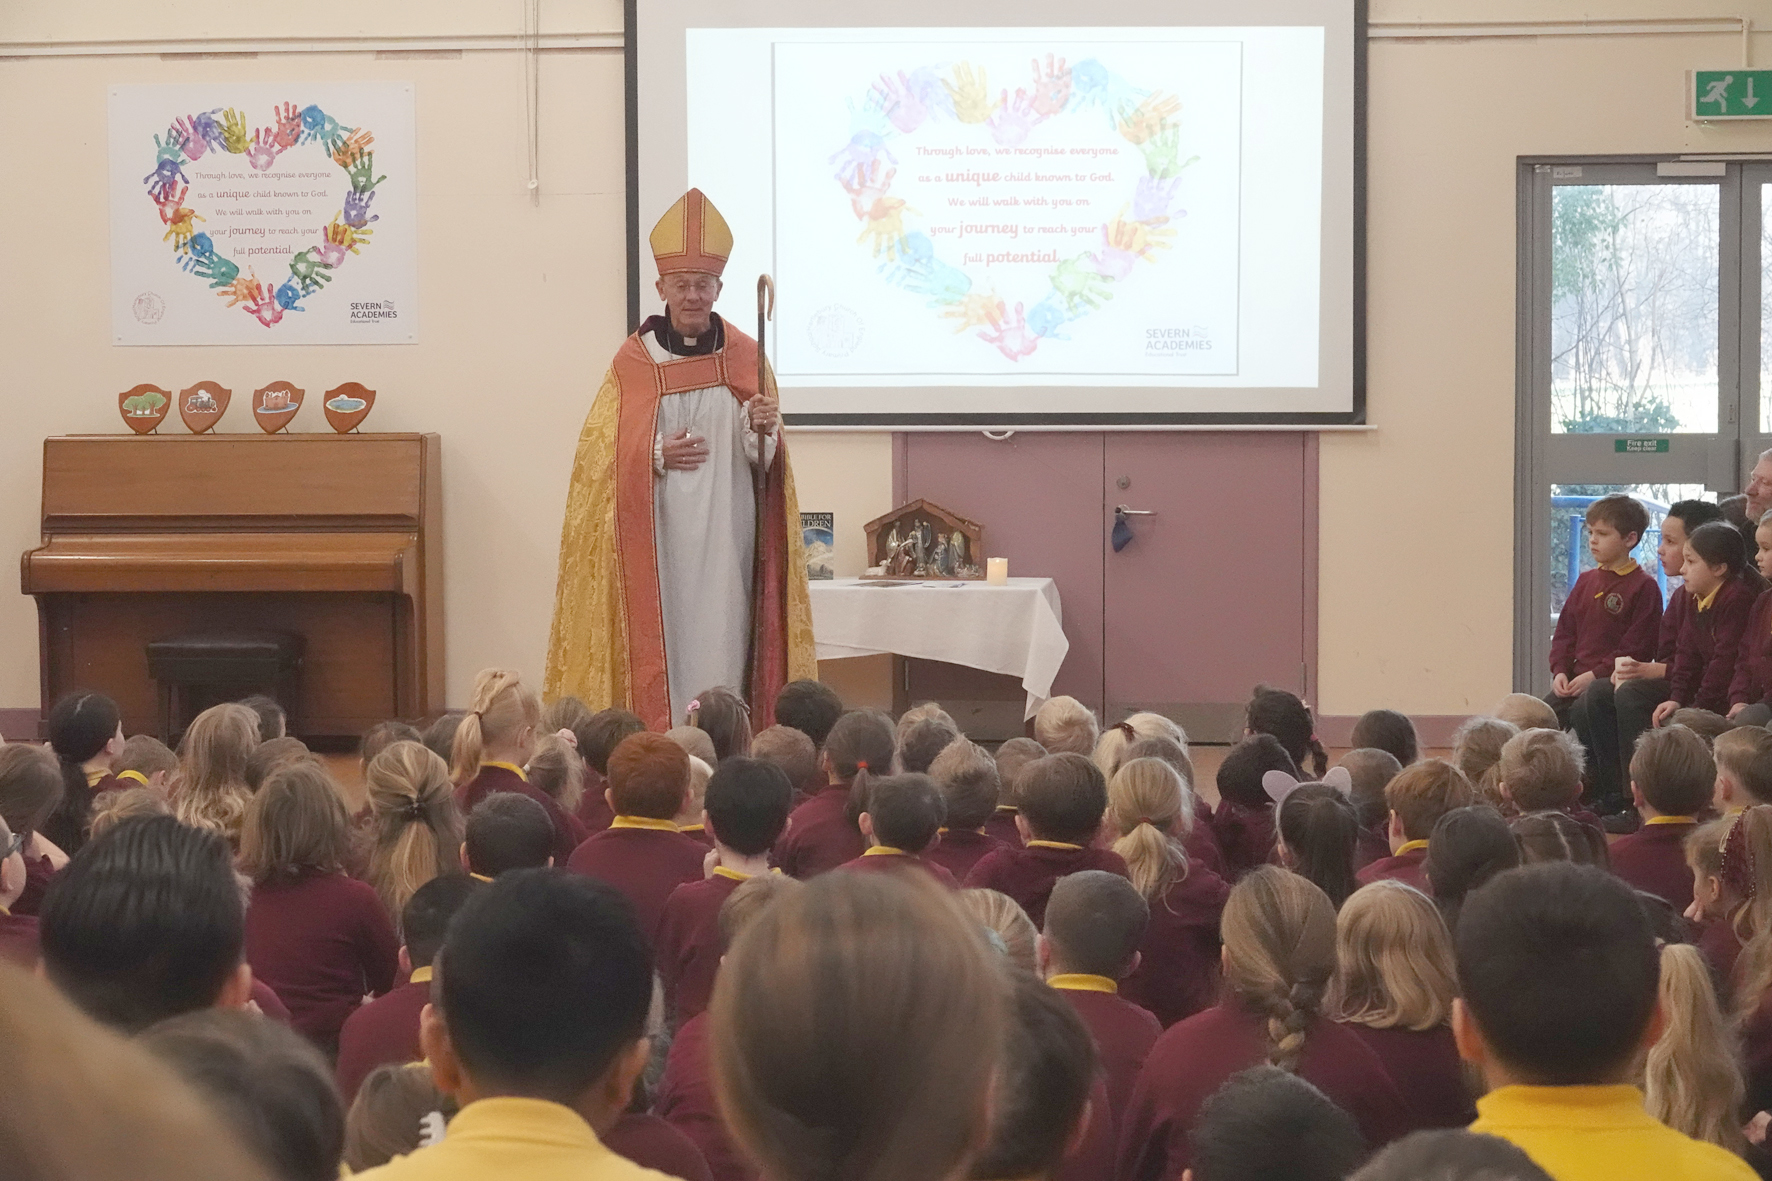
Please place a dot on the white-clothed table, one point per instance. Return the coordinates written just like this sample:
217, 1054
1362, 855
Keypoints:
1016, 630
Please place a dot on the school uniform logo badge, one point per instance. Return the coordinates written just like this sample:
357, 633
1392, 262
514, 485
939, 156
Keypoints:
1614, 603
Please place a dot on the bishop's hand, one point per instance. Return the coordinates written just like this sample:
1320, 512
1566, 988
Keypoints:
765, 412
684, 452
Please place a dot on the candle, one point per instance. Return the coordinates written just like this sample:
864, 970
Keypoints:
997, 571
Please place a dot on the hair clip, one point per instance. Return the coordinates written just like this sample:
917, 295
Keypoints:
693, 706
861, 764
1126, 729
431, 1127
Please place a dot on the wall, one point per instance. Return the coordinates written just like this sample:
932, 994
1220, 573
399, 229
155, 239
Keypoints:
514, 338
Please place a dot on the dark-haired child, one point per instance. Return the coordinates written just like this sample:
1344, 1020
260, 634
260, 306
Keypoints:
901, 817
1390, 731
541, 1073
641, 853
273, 720
1046, 1122
597, 739
1615, 711
1244, 819
386, 1029
1267, 1124
967, 777
1012, 759
506, 831
1095, 922
1672, 779
1468, 847
823, 833
1613, 610
1559, 976
1723, 588
1417, 799
86, 734
745, 811
1750, 690
1448, 1155
1286, 717
810, 707
1063, 798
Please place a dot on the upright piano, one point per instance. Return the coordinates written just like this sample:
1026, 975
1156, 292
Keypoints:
337, 538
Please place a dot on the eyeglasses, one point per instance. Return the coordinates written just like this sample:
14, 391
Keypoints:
12, 844
700, 285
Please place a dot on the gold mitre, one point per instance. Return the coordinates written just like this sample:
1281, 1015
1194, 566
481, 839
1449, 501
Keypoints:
691, 236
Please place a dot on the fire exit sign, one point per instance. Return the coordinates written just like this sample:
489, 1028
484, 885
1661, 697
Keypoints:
1640, 446
1729, 94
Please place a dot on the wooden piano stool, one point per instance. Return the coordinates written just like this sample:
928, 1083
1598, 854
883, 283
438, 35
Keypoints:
336, 539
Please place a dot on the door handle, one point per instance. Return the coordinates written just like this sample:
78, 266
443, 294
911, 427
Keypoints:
1134, 512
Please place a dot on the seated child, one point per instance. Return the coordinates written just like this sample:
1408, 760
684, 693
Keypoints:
688, 818
555, 770
145, 761
1448, 1155
1394, 985
1279, 958
386, 1029
114, 807
1468, 847
268, 756
795, 754
147, 923
1476, 748
725, 717
1744, 769
1672, 778
1319, 838
1095, 922
1371, 771
86, 734
18, 932
440, 734
1046, 1122
823, 833
641, 853
1116, 742
383, 735
267, 1084
921, 741
967, 777
319, 939
811, 708
503, 834
696, 742
1064, 725
491, 745
1525, 712
901, 817
540, 1074
1558, 971
31, 784
1200, 842
686, 1091
1389, 731
1244, 819
398, 1110
1692, 1079
1750, 690
745, 812
1723, 588
273, 720
1063, 798
598, 736
1287, 718
1177, 971
1266, 1124
856, 1030
1006, 927
1417, 799
1706, 723
1558, 836
1012, 757
1540, 771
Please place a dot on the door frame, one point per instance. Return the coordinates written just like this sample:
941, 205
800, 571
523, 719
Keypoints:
1718, 460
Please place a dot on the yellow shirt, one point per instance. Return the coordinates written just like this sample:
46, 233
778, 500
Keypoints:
527, 1138
1600, 1134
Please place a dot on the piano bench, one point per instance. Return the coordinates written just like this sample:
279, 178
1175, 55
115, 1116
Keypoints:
198, 669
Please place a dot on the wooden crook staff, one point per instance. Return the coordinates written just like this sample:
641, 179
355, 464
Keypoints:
759, 481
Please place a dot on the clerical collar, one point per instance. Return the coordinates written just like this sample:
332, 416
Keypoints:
673, 342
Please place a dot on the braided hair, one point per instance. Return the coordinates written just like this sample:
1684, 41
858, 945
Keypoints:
1279, 952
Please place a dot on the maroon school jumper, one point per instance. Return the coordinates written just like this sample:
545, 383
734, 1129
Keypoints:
1653, 859
1245, 836
1722, 947
1124, 1033
1407, 864
1193, 1059
642, 861
18, 939
1028, 875
1710, 640
385, 1030
820, 836
957, 850
686, 1101
493, 777
1606, 615
652, 1143
1756, 1053
1093, 1159
594, 811
698, 833
38, 874
321, 941
881, 859
1752, 683
1425, 1066
689, 945
1370, 845
1177, 973
1002, 826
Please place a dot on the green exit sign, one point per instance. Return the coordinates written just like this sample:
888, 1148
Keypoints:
1640, 446
1729, 94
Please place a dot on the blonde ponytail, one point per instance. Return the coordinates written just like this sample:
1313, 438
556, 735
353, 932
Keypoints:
1691, 1080
1279, 954
500, 708
1147, 801
417, 826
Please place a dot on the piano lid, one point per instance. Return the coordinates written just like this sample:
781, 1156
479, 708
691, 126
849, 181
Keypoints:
213, 562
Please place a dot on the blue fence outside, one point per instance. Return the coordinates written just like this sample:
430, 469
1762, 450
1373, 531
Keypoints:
1569, 534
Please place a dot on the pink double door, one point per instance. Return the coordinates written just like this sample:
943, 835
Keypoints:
1214, 593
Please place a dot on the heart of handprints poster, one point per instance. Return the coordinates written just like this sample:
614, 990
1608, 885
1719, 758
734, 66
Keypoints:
263, 213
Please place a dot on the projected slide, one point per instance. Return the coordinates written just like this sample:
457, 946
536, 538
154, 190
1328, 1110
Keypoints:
969, 210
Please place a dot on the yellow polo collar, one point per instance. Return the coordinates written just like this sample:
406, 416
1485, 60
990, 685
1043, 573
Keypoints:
884, 851
1628, 566
93, 777
1409, 847
1704, 603
1671, 820
421, 975
1052, 845
521, 773
642, 822
1083, 982
137, 776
